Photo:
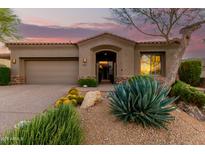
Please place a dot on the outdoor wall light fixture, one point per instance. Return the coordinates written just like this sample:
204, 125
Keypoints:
84, 60
13, 61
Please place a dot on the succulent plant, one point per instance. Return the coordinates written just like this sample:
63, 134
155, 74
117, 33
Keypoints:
142, 100
70, 96
73, 91
80, 99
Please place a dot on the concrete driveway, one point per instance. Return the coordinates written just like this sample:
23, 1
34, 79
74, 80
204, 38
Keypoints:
23, 102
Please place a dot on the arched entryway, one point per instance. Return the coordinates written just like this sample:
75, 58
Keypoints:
106, 66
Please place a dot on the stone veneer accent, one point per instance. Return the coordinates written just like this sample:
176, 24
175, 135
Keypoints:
17, 80
121, 79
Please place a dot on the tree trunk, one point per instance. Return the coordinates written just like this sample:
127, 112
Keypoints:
174, 68
184, 42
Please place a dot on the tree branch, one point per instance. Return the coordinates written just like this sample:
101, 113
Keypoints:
132, 22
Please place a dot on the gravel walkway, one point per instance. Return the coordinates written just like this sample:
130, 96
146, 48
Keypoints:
101, 127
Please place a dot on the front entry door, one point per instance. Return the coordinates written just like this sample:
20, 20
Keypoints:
105, 71
106, 66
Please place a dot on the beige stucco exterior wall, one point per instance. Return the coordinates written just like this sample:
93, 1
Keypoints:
18, 52
124, 60
5, 62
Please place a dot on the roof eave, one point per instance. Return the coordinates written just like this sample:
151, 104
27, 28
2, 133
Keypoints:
8, 44
104, 34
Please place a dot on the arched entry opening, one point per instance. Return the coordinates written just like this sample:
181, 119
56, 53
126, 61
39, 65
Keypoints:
106, 66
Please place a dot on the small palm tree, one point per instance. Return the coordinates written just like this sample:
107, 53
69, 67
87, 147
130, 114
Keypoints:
8, 23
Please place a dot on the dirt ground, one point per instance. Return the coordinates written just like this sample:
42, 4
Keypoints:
101, 127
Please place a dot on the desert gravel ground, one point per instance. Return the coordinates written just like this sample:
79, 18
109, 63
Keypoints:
101, 127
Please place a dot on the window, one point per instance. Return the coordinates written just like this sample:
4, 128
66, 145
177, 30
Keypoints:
152, 63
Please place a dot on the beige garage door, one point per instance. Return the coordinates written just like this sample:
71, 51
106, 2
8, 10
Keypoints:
51, 72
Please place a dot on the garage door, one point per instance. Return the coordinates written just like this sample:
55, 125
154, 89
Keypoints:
51, 72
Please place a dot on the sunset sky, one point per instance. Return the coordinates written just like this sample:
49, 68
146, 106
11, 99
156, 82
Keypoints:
64, 25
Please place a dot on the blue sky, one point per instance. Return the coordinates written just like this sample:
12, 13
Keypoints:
76, 24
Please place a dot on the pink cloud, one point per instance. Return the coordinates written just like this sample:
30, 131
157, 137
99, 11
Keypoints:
95, 25
39, 21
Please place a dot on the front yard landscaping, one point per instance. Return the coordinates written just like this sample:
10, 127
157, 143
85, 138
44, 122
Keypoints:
102, 127
114, 117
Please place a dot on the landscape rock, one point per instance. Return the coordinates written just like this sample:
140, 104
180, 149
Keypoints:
91, 98
192, 110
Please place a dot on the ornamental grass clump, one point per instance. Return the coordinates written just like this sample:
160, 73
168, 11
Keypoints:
58, 126
142, 100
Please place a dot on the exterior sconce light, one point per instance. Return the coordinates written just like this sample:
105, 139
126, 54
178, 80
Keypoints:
13, 61
84, 60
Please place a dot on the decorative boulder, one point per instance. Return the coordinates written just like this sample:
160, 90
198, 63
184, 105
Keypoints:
91, 98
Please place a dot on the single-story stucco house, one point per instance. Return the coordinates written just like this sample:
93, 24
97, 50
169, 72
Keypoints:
106, 57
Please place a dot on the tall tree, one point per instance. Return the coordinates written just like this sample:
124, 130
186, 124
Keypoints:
8, 23
167, 24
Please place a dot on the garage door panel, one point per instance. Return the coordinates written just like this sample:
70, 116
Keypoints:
51, 72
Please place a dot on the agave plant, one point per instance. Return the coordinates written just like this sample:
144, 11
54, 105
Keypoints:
142, 100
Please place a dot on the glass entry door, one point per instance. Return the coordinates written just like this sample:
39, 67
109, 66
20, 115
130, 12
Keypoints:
105, 71
106, 66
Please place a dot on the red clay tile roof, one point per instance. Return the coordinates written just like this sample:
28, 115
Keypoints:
39, 43
177, 41
159, 42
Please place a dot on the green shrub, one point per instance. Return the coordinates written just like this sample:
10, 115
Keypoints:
58, 126
190, 71
188, 93
142, 100
4, 75
89, 81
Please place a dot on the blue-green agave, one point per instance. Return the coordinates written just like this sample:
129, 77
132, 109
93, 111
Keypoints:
142, 100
